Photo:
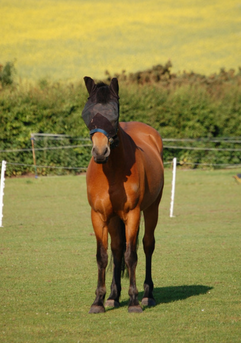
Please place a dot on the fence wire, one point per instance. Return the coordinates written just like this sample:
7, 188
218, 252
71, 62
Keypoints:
90, 145
226, 140
179, 163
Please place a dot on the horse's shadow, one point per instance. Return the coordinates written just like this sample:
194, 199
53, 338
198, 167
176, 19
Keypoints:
164, 295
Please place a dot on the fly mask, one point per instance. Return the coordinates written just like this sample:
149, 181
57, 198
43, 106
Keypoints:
101, 112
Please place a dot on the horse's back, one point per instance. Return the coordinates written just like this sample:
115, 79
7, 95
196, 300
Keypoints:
143, 135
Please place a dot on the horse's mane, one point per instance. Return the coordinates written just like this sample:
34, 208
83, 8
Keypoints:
102, 93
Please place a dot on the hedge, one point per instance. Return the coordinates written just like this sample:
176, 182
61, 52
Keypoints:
178, 106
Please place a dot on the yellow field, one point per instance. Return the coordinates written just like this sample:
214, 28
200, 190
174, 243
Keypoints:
64, 39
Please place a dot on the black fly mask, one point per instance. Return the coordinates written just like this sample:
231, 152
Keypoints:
101, 112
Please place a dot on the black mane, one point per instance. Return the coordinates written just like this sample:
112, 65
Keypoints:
102, 93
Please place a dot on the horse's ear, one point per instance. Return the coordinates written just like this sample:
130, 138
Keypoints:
114, 87
90, 84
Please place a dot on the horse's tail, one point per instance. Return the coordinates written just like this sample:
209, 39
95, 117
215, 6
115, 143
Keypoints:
124, 270
123, 264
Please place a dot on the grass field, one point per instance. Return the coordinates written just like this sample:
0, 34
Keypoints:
48, 271
70, 39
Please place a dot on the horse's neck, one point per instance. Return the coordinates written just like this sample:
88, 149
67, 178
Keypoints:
117, 159
121, 159
117, 155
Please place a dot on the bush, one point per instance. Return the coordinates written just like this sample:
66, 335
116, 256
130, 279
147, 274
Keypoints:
53, 109
184, 106
7, 74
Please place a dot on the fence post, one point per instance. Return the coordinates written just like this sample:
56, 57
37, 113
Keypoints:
173, 186
34, 158
4, 163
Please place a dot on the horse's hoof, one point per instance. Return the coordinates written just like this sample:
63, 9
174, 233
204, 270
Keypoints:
111, 303
148, 302
97, 309
135, 309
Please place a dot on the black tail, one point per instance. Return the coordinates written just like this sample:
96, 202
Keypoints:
124, 270
123, 264
123, 239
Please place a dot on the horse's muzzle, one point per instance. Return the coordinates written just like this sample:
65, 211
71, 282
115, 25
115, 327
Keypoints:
100, 161
100, 156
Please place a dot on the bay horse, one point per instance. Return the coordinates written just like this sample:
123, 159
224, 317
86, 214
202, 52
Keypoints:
125, 177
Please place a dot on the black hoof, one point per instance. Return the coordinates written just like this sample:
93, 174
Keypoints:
111, 303
148, 302
97, 309
135, 309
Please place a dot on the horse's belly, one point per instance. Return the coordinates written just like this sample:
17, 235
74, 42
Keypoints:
154, 179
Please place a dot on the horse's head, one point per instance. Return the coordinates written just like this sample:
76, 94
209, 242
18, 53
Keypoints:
101, 116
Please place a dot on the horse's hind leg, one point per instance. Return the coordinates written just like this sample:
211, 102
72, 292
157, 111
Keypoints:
151, 218
116, 229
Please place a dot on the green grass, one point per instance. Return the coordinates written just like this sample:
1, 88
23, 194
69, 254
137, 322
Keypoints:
70, 39
48, 271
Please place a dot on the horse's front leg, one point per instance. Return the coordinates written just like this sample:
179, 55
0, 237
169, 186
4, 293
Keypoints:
101, 233
116, 229
132, 230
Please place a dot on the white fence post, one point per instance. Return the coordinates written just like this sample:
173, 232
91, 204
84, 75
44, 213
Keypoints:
4, 163
173, 186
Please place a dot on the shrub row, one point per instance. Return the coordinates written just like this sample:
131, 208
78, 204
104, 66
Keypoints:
191, 107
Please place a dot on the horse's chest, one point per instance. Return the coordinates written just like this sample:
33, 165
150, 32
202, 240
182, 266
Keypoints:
124, 197
112, 196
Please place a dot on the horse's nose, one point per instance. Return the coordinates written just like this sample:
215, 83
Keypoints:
100, 154
101, 147
97, 151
